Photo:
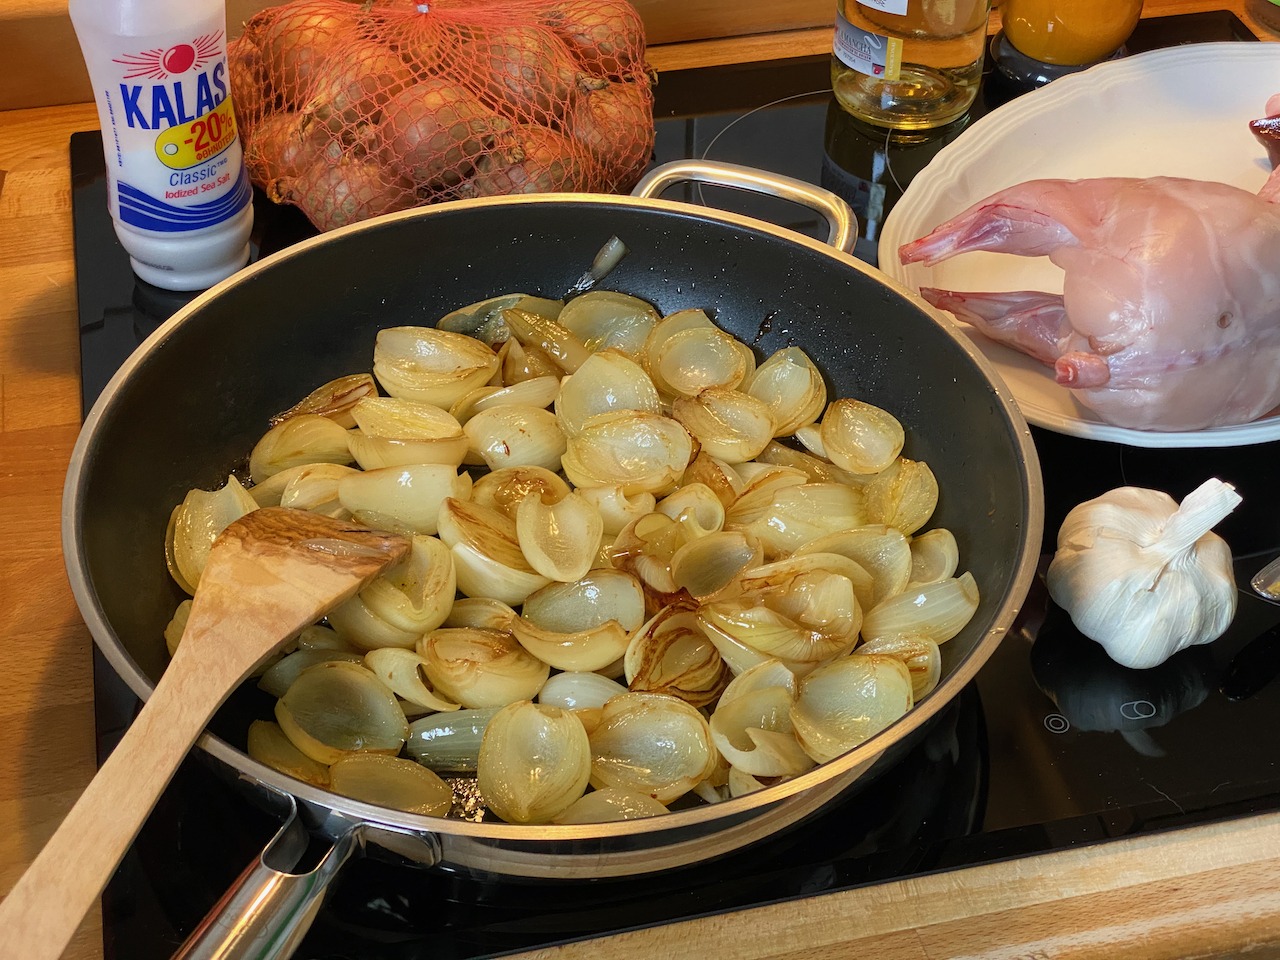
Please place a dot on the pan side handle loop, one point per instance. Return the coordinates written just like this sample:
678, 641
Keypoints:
268, 909
842, 224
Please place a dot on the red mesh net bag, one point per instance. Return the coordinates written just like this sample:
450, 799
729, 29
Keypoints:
351, 110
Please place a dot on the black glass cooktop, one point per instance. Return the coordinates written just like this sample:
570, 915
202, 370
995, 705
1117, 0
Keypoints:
1052, 746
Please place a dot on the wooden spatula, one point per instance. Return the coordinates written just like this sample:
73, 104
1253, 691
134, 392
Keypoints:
270, 574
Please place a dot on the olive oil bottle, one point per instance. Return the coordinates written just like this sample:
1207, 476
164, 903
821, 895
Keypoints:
908, 64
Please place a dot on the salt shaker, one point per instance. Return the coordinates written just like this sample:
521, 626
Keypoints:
179, 196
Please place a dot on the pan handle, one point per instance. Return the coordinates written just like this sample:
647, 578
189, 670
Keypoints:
268, 909
841, 222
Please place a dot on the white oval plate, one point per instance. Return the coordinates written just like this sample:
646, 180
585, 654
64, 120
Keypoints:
1181, 112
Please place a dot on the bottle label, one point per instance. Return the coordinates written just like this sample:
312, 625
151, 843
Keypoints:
866, 52
898, 7
168, 124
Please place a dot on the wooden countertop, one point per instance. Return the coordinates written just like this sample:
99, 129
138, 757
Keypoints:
1210, 891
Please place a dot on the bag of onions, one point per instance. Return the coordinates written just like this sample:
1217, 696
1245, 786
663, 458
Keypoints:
351, 110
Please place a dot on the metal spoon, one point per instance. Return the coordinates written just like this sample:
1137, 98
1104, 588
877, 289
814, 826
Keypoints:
1266, 582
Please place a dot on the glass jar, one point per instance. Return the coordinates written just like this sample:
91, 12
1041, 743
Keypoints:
1069, 32
908, 64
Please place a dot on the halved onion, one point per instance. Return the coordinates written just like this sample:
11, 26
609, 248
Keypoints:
881, 550
609, 804
176, 626
861, 437
504, 490
363, 629
480, 575
269, 491
578, 689
396, 431
665, 329
279, 677
791, 386
333, 400
934, 556
336, 708
538, 392
694, 503
904, 495
778, 574
605, 319
935, 610
307, 438
727, 423
279, 487
737, 655
810, 437
803, 512
816, 469
845, 702
480, 668
716, 475
484, 612
755, 496
404, 671
516, 435
605, 382
314, 487
742, 783
417, 593
431, 365
645, 548
754, 620
694, 359
602, 595
751, 725
483, 320
559, 540
267, 744
616, 507
520, 363
922, 657
391, 782
639, 451
373, 453
709, 565
592, 648
403, 499
652, 744
449, 742
404, 602
318, 637
197, 522
486, 551
402, 418
542, 333
671, 654
535, 761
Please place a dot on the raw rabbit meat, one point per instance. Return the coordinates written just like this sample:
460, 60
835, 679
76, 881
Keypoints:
1170, 313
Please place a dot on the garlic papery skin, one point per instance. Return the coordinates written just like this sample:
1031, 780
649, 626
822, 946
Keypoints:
1143, 576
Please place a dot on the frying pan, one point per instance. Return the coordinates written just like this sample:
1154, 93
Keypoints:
193, 399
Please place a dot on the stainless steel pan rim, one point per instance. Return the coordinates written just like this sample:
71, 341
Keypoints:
670, 824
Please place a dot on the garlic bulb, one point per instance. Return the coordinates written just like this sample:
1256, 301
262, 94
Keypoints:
1143, 576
